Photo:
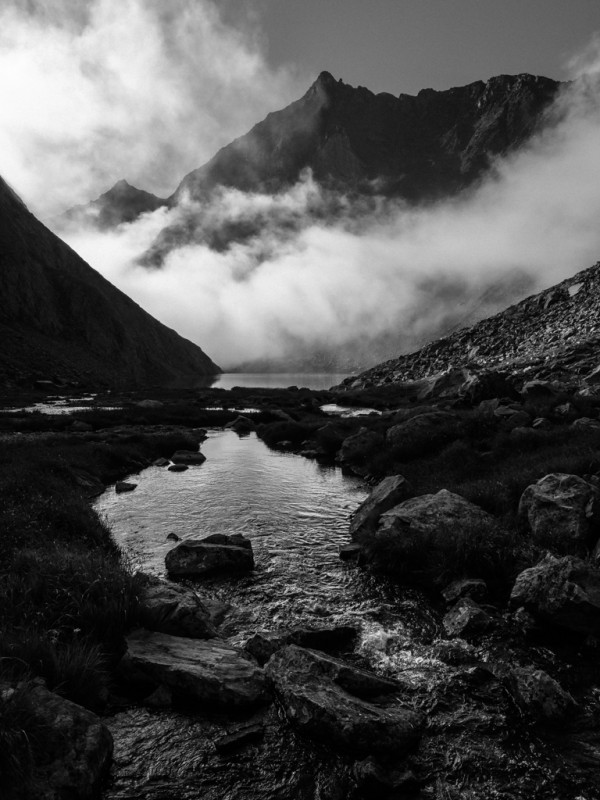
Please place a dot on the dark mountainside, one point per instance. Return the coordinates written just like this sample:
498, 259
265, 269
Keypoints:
416, 147
122, 203
551, 335
60, 320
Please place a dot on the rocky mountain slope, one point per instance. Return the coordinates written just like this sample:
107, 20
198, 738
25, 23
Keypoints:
60, 320
551, 335
416, 147
121, 203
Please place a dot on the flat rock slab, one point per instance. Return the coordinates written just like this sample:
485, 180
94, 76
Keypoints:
325, 699
216, 553
211, 672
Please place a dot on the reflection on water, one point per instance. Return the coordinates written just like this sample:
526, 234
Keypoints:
279, 380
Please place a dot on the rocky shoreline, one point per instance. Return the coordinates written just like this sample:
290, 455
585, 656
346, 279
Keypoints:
485, 497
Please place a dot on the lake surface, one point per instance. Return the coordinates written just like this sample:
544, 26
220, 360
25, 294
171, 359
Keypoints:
279, 380
296, 513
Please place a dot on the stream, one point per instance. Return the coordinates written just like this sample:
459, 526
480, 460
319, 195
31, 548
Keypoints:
296, 513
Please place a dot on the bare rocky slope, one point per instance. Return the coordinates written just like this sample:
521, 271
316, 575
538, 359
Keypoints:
62, 321
553, 335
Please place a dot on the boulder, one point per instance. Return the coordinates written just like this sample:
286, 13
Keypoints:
542, 393
586, 424
123, 486
160, 462
172, 608
150, 404
178, 468
387, 494
329, 700
422, 531
215, 553
188, 457
327, 640
562, 592
562, 511
376, 780
467, 620
241, 425
212, 672
424, 432
77, 746
351, 552
539, 695
356, 447
474, 588
511, 417
541, 424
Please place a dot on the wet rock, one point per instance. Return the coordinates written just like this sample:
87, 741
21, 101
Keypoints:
429, 430
326, 699
263, 647
188, 457
455, 653
241, 736
150, 404
351, 552
539, 695
211, 672
174, 609
161, 462
562, 592
215, 553
474, 588
241, 425
374, 780
178, 468
172, 537
387, 494
562, 510
77, 746
358, 446
467, 620
123, 486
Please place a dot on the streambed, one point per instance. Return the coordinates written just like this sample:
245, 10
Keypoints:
296, 514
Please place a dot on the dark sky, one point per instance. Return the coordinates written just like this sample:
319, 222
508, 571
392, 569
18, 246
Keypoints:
406, 45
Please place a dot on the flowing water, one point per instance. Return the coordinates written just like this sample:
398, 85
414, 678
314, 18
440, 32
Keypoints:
296, 514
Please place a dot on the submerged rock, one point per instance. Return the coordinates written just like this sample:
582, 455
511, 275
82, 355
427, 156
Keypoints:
563, 592
467, 620
328, 700
211, 672
388, 493
178, 468
215, 553
174, 609
562, 510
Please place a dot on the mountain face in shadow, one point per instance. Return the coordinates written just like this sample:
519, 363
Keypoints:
416, 147
62, 321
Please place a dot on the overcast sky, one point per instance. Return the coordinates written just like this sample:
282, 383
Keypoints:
407, 45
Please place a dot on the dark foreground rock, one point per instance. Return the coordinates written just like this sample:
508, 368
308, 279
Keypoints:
329, 700
211, 672
215, 553
188, 457
562, 509
77, 746
562, 592
540, 696
171, 608
387, 494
